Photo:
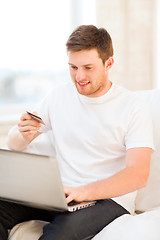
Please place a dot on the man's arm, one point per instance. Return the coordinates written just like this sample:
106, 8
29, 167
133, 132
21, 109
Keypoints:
23, 133
133, 177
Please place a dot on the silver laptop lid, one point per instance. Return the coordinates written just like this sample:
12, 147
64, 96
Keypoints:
32, 180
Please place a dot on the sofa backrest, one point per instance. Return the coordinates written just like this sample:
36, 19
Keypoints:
149, 197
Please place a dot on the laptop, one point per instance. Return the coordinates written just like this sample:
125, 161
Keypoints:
34, 180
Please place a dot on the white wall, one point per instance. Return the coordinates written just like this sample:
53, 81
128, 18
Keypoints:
131, 24
157, 45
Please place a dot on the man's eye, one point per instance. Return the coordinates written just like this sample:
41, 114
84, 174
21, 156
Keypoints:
73, 67
88, 68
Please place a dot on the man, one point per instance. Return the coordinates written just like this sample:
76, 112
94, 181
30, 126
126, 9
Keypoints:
103, 141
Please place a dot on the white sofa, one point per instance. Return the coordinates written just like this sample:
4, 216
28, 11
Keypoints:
140, 226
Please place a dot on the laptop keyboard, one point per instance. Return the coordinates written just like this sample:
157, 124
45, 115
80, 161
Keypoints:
72, 203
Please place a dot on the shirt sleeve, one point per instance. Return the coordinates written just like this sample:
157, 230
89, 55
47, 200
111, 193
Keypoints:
140, 129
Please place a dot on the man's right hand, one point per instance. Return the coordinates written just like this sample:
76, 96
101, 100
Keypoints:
28, 127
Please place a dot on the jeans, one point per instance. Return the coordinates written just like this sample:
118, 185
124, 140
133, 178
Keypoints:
80, 225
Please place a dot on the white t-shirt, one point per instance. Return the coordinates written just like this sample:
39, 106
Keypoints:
92, 135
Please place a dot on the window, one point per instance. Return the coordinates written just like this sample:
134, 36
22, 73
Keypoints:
32, 47
33, 35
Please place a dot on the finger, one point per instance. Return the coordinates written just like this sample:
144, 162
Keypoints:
29, 123
28, 133
67, 193
28, 129
35, 113
25, 116
69, 198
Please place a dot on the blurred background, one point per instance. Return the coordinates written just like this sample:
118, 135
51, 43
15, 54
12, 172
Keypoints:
33, 57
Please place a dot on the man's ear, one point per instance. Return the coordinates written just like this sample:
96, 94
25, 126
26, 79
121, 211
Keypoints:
109, 63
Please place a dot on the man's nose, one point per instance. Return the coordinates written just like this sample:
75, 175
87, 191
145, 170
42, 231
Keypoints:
80, 75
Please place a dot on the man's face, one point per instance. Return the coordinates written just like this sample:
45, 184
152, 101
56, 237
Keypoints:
88, 73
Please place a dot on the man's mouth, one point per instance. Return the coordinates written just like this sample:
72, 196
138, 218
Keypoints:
83, 83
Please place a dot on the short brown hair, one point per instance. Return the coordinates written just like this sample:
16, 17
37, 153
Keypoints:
87, 37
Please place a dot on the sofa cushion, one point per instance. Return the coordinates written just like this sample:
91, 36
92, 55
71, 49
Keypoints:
30, 230
143, 226
149, 197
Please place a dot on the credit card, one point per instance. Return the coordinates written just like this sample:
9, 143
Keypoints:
35, 117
